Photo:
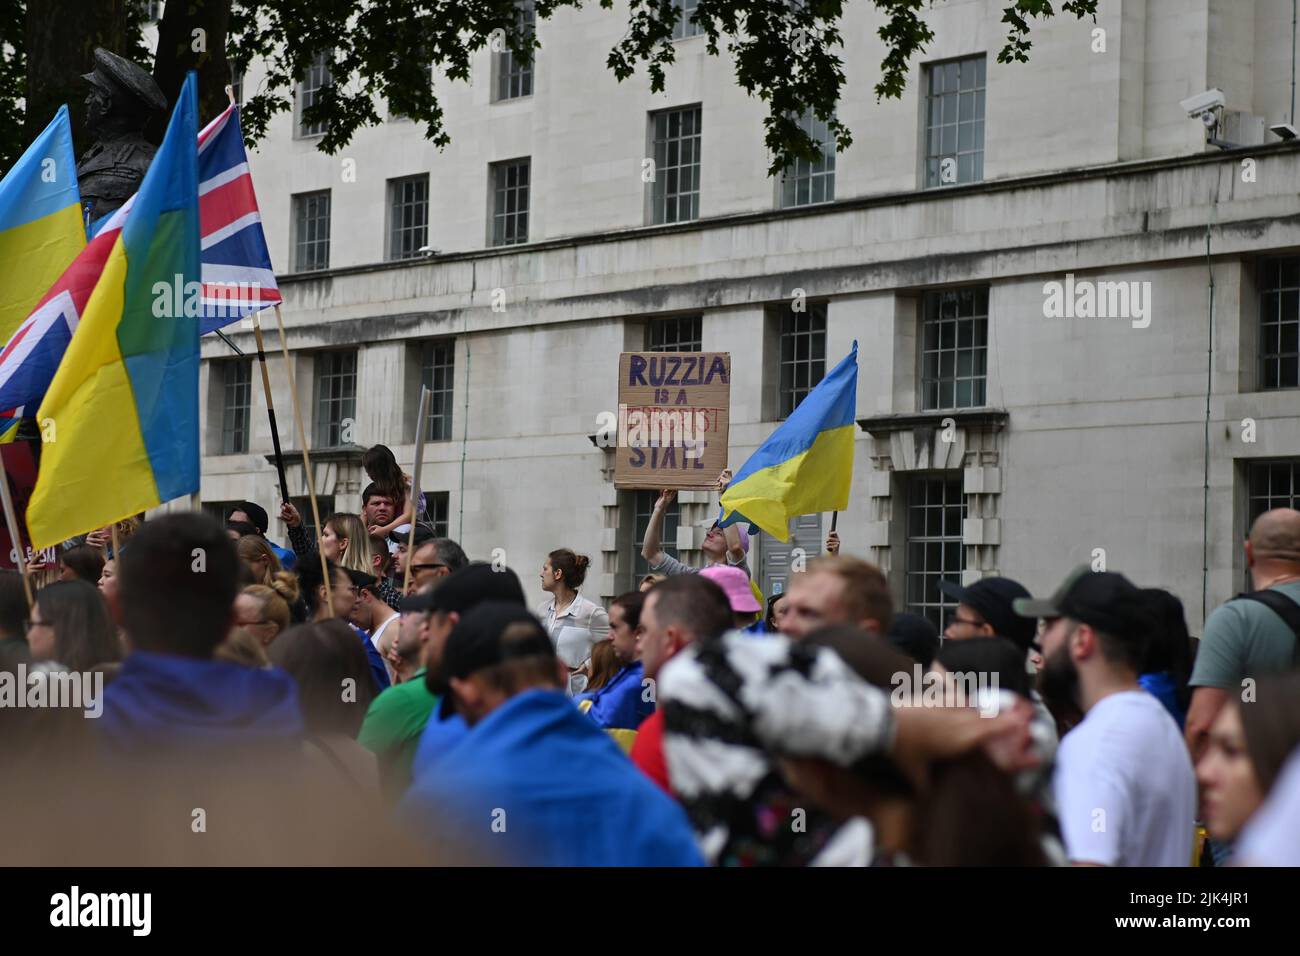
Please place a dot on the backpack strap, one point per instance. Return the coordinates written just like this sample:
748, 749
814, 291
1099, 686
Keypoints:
1281, 605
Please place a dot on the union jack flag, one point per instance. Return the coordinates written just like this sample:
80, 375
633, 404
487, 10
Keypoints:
237, 279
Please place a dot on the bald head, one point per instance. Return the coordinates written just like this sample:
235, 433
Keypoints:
1275, 539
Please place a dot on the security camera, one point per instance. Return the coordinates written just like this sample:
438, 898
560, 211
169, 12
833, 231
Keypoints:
1202, 103
1284, 131
427, 250
1209, 119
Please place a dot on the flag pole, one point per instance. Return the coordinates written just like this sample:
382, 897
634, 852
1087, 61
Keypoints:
306, 459
11, 521
270, 409
415, 482
834, 516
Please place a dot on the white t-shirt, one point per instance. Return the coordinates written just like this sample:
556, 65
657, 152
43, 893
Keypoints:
1272, 837
1125, 789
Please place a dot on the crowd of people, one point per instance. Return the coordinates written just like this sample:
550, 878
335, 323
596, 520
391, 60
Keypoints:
374, 694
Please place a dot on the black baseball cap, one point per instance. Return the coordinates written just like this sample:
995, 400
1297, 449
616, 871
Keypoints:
256, 514
1105, 600
993, 599
423, 535
471, 585
477, 642
360, 579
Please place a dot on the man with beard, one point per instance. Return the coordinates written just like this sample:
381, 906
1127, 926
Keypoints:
1125, 789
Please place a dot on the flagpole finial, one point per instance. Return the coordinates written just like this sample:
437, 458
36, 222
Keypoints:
230, 94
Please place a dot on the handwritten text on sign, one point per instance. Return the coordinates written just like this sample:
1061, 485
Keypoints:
673, 411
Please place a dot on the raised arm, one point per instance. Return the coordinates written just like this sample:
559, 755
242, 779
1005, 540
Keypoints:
652, 548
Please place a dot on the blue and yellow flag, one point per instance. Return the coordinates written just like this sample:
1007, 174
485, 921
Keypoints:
806, 465
120, 422
41, 230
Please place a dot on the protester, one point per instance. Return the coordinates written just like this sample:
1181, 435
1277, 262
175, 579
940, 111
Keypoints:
728, 545
108, 581
255, 515
377, 509
1124, 786
776, 606
402, 726
264, 611
1247, 748
796, 701
256, 552
389, 480
1167, 666
568, 794
243, 648
679, 611
837, 590
984, 609
398, 541
735, 585
169, 692
14, 649
345, 586
573, 622
332, 674
624, 702
915, 635
376, 618
70, 624
436, 558
344, 540
81, 563
1250, 638
601, 668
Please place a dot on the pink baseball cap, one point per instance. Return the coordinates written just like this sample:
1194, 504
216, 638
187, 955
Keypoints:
735, 584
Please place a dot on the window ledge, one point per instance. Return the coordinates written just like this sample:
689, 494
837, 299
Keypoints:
337, 453
968, 419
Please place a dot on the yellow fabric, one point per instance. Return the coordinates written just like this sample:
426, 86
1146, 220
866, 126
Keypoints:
624, 738
32, 257
812, 481
95, 469
584, 705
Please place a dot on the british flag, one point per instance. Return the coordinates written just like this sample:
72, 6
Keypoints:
236, 272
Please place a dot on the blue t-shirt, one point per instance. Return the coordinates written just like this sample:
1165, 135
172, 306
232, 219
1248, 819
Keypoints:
622, 703
440, 735
537, 783
1160, 685
377, 668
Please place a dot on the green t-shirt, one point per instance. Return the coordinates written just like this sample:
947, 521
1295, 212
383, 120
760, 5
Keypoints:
1244, 639
392, 730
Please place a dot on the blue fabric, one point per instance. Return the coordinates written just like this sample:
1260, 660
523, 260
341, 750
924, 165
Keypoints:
563, 790
1161, 686
377, 668
288, 560
758, 627
163, 700
619, 704
441, 735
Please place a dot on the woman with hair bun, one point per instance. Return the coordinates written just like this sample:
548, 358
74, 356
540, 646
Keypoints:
574, 623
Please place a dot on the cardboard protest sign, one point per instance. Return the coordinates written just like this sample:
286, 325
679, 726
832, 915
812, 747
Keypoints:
673, 412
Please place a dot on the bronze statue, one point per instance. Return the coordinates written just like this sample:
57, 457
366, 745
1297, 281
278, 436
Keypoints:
123, 99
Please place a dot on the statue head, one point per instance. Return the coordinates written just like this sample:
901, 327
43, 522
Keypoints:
123, 97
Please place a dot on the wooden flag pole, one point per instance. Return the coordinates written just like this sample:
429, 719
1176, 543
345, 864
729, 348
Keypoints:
306, 459
11, 521
112, 530
270, 408
425, 395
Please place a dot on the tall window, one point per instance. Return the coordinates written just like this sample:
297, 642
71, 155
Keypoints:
315, 80
954, 125
438, 366
806, 182
685, 26
236, 385
803, 354
408, 216
515, 70
677, 165
1279, 324
1272, 484
510, 202
954, 348
935, 510
644, 506
336, 396
311, 231
680, 333
437, 505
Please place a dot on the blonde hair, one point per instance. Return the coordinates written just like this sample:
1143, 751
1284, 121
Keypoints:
356, 555
276, 599
241, 648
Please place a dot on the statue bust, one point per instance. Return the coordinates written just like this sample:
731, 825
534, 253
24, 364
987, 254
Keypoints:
123, 99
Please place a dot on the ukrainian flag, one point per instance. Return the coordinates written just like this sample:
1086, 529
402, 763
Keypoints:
41, 230
120, 420
806, 466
